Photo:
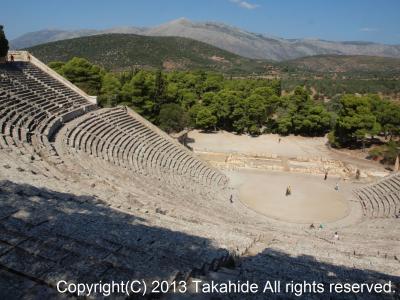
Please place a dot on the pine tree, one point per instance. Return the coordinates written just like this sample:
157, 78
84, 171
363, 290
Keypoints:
3, 43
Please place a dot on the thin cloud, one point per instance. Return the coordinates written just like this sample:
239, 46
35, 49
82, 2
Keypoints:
245, 4
369, 29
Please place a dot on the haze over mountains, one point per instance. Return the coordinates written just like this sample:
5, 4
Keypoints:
235, 40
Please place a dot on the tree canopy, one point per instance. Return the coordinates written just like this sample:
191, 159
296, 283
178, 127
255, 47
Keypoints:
212, 101
360, 118
3, 43
81, 73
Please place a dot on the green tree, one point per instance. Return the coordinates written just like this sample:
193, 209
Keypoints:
240, 116
193, 111
160, 87
205, 119
172, 118
187, 98
222, 107
83, 74
110, 90
57, 66
284, 124
3, 43
387, 114
388, 152
314, 122
139, 91
356, 123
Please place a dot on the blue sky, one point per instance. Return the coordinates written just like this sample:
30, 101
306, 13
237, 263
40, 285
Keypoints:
348, 20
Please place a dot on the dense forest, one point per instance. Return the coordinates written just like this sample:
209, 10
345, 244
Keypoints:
210, 101
331, 75
328, 87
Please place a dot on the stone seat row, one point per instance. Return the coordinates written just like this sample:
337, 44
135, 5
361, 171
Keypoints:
36, 243
382, 199
35, 86
35, 106
28, 108
115, 136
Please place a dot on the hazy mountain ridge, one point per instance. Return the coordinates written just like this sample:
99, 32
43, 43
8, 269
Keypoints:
232, 39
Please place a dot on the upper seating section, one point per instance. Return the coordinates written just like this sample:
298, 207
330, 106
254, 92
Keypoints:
33, 105
382, 199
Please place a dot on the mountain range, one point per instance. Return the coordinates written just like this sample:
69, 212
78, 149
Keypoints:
229, 38
117, 51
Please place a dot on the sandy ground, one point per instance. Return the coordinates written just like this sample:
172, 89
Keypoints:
313, 200
288, 146
223, 141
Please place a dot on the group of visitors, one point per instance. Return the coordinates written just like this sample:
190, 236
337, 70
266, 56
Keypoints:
320, 227
12, 58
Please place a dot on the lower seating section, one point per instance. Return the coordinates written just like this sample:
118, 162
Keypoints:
382, 199
47, 236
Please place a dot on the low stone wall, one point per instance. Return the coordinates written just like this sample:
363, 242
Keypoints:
273, 162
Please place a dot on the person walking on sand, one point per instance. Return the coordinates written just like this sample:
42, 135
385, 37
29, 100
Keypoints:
326, 175
288, 191
336, 236
337, 187
12, 58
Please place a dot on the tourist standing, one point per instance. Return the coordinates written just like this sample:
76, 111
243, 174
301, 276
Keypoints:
336, 236
288, 191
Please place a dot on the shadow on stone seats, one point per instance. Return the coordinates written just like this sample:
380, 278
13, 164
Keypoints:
47, 236
277, 265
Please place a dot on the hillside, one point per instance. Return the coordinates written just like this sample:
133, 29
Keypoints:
124, 51
229, 38
330, 75
346, 64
